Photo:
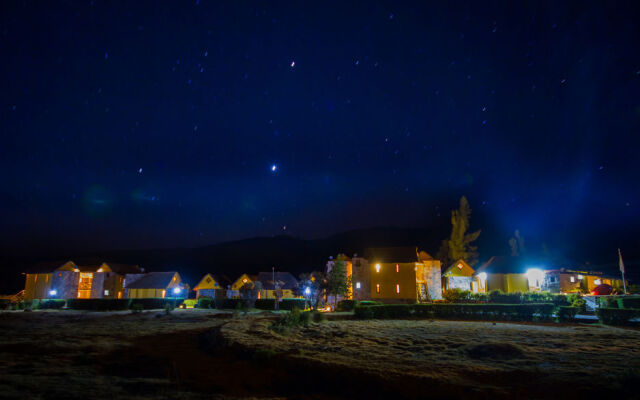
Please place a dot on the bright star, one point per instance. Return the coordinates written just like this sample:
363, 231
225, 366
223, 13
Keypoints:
293, 64
139, 170
274, 168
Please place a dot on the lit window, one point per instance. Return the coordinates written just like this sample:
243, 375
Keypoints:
357, 285
580, 277
597, 281
377, 267
460, 266
572, 279
397, 268
244, 280
163, 293
99, 269
106, 292
398, 288
377, 288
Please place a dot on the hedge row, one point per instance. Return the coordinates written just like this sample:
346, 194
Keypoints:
121, 304
350, 305
617, 316
261, 304
498, 297
503, 312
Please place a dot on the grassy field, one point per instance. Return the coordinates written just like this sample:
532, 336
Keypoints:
209, 354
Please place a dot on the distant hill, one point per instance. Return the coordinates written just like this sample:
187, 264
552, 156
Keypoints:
285, 253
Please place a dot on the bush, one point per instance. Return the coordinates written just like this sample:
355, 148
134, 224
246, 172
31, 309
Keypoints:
228, 304
457, 295
566, 313
285, 304
189, 303
608, 302
503, 312
616, 316
98, 304
629, 302
137, 308
370, 303
53, 304
318, 317
346, 305
156, 303
290, 320
498, 297
205, 302
580, 304
5, 304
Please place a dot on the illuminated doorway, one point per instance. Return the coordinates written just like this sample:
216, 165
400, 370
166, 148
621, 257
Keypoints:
84, 285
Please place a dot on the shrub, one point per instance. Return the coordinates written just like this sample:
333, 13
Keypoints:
168, 308
5, 304
480, 297
156, 303
457, 295
370, 303
53, 304
566, 313
189, 303
616, 316
498, 297
580, 304
629, 302
227, 304
205, 302
346, 305
608, 302
318, 317
505, 312
98, 304
363, 312
285, 304
137, 308
265, 304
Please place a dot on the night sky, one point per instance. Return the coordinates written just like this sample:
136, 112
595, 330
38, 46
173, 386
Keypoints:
180, 124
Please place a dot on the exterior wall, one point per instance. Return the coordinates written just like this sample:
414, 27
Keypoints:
239, 282
507, 283
269, 294
37, 286
429, 274
146, 293
459, 282
388, 277
213, 293
66, 284
97, 285
113, 283
362, 275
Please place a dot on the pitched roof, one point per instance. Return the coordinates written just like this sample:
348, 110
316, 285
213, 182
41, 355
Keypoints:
49, 267
221, 280
392, 254
287, 280
459, 268
153, 280
505, 265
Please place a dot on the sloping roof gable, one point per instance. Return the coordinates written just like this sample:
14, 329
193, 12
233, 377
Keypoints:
459, 268
153, 280
287, 280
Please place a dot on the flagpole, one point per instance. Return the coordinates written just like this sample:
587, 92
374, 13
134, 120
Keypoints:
621, 264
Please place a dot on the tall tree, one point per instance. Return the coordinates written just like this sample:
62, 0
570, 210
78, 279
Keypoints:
337, 280
460, 241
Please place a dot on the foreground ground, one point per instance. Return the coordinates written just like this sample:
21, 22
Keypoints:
205, 354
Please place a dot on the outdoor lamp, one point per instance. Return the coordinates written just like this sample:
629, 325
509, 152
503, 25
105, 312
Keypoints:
53, 292
176, 290
307, 291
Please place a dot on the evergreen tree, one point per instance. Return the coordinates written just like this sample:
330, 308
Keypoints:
337, 281
459, 243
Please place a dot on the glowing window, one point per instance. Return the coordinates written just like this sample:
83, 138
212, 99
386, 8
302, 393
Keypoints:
572, 279
357, 285
106, 292
580, 276
397, 268
398, 288
163, 293
244, 280
460, 266
597, 281
377, 288
377, 267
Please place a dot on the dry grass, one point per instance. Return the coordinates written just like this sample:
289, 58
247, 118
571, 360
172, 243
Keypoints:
205, 354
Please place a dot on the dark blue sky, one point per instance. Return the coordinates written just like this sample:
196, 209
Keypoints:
146, 124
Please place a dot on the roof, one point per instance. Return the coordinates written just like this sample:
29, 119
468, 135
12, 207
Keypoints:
221, 280
153, 280
459, 268
506, 265
287, 280
392, 254
49, 267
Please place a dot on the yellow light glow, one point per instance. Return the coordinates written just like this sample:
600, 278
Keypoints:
99, 269
397, 288
597, 281
377, 288
377, 267
397, 268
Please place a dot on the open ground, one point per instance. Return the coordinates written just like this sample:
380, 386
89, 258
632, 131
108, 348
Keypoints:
207, 353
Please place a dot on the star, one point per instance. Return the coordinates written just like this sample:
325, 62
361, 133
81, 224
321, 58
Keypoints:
293, 64
139, 170
274, 168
